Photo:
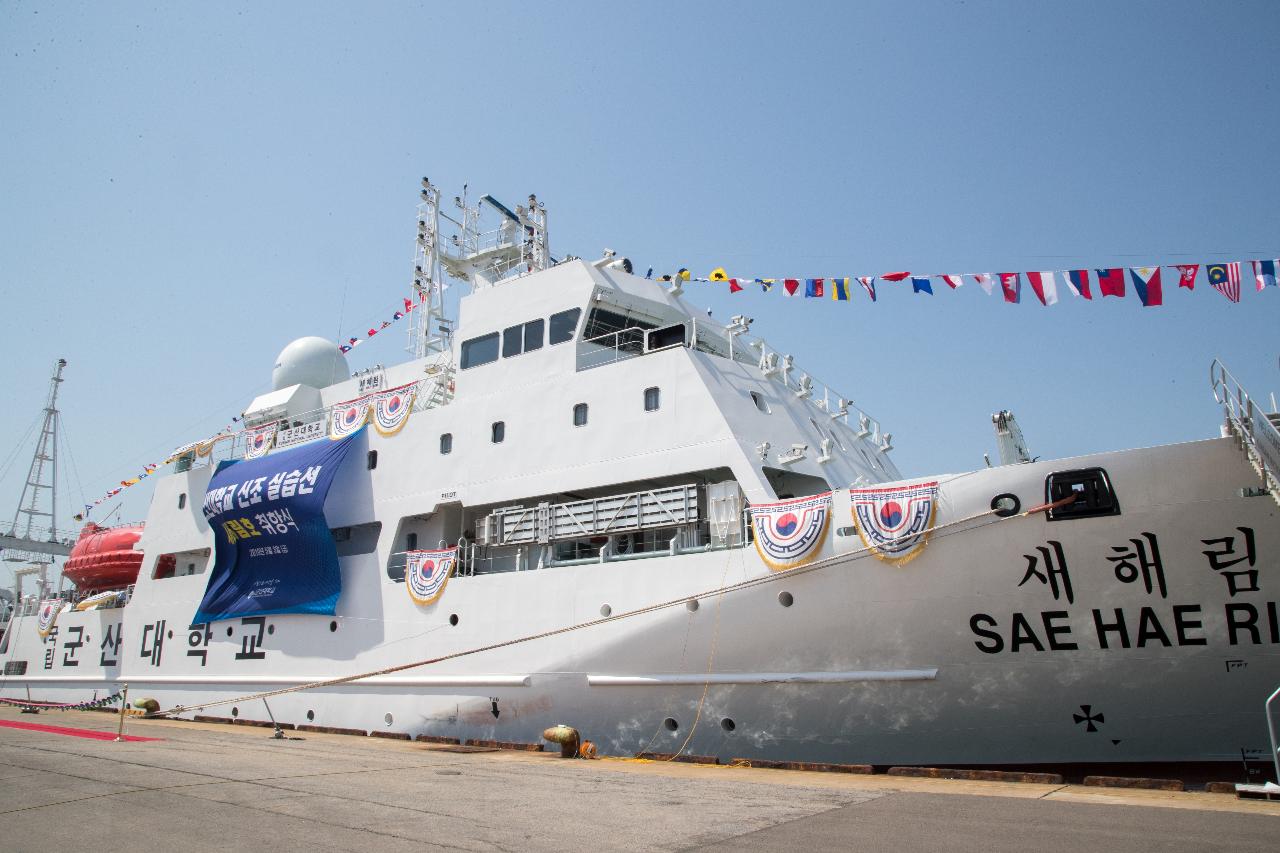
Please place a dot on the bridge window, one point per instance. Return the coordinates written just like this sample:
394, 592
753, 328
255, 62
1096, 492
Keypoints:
652, 399
563, 325
580, 415
525, 337
481, 350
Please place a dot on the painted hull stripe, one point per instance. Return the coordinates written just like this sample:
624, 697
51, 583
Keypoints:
763, 678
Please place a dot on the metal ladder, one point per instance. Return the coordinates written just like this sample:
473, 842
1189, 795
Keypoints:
1257, 430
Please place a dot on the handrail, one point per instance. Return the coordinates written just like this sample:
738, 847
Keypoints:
1257, 432
432, 394
1271, 730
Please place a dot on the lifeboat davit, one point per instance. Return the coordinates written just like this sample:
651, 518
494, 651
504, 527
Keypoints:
104, 558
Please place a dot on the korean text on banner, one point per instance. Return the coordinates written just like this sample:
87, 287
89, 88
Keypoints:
273, 551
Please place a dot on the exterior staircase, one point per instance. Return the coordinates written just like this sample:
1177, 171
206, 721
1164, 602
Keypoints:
1257, 430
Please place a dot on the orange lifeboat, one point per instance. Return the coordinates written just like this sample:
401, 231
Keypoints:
103, 558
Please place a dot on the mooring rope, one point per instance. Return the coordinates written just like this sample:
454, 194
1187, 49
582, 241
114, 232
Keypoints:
749, 583
34, 705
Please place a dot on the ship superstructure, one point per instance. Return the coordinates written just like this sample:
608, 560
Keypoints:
663, 531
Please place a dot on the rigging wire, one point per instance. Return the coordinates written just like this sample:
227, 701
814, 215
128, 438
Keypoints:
75, 469
17, 446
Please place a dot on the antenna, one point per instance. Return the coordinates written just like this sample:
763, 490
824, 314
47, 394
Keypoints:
429, 332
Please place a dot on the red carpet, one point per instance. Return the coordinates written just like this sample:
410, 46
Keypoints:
63, 730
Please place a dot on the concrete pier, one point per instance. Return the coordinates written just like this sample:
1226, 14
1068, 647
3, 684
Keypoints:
205, 786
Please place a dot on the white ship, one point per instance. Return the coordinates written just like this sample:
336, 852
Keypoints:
622, 516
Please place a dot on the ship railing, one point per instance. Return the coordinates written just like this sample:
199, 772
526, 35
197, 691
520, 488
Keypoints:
436, 391
1271, 731
735, 343
476, 558
628, 343
1255, 428
37, 533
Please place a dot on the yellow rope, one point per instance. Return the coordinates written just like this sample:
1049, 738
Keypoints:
715, 644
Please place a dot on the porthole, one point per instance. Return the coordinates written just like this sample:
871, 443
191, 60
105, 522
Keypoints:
333, 626
170, 635
271, 629
652, 399
311, 715
388, 719
606, 611
786, 599
1006, 505
692, 604
235, 712
670, 724
229, 631
453, 619
728, 724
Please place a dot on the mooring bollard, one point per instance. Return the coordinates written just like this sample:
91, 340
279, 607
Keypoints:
124, 707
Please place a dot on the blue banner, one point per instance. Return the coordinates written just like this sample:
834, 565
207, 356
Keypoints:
273, 551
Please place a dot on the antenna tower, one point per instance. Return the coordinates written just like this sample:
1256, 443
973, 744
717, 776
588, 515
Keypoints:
28, 540
518, 245
430, 330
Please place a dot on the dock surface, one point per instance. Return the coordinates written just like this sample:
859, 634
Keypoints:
205, 787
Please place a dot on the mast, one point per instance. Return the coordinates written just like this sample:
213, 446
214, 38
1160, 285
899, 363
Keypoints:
46, 454
26, 540
429, 332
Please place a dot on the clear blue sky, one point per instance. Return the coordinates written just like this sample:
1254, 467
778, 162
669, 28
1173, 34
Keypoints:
186, 187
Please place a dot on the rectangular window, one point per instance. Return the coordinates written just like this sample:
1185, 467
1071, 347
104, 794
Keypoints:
481, 350
525, 337
182, 501
533, 334
512, 341
652, 399
563, 325
580, 414
372, 460
446, 443
499, 432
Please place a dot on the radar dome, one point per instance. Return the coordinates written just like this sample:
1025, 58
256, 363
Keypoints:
309, 361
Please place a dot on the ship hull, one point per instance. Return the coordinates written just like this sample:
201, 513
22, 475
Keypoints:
994, 646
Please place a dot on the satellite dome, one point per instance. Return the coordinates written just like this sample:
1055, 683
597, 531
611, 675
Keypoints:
309, 361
